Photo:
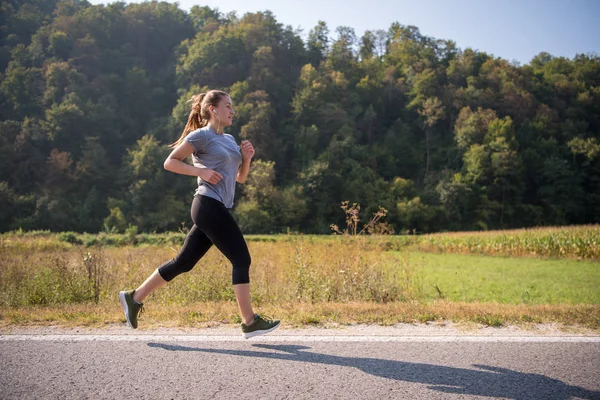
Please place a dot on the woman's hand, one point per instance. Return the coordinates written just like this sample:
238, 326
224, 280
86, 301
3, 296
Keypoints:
247, 150
209, 175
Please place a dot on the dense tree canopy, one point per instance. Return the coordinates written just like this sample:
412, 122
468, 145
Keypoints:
443, 138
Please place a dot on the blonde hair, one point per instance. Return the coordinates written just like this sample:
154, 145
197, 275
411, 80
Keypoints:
200, 114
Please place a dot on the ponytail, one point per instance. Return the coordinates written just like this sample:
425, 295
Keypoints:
195, 120
200, 114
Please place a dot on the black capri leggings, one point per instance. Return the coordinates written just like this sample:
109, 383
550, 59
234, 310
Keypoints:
213, 224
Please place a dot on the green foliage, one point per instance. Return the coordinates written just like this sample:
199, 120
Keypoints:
116, 221
69, 237
90, 95
252, 218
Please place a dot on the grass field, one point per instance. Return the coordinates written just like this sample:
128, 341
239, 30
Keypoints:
70, 279
473, 278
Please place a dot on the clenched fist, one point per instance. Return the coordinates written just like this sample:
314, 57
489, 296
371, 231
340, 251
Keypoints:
247, 150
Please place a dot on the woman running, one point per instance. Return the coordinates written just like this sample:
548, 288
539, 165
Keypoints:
218, 164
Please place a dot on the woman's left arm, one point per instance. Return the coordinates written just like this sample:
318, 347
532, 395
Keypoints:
247, 153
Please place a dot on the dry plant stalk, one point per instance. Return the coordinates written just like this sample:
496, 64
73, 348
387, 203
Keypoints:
374, 226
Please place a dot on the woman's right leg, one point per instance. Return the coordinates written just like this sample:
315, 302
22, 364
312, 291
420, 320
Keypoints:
154, 281
195, 246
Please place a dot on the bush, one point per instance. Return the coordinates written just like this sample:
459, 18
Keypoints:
69, 237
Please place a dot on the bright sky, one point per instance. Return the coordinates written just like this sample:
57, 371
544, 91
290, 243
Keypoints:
511, 29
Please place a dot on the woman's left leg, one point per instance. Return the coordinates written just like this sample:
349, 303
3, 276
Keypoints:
219, 226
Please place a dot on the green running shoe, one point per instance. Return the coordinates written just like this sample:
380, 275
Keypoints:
259, 326
132, 308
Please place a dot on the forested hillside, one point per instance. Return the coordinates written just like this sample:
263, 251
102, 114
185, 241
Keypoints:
443, 138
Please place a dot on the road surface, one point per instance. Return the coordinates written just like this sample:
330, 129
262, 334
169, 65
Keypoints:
292, 365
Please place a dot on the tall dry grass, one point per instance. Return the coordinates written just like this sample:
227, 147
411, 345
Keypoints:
333, 271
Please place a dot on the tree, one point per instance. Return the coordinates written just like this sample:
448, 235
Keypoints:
432, 112
342, 54
89, 95
148, 206
259, 127
367, 46
255, 209
318, 43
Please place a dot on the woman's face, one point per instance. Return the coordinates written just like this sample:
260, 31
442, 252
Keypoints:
223, 113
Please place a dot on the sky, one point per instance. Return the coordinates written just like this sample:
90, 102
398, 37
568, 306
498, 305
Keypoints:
515, 30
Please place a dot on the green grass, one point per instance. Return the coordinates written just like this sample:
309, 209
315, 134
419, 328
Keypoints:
472, 278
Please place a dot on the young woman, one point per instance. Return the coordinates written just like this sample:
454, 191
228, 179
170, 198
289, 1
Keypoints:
218, 164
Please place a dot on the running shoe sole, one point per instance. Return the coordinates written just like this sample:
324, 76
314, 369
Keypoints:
125, 307
249, 335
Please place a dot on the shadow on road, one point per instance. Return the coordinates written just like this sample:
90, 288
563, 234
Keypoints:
487, 381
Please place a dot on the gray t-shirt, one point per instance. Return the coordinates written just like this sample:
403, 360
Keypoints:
220, 153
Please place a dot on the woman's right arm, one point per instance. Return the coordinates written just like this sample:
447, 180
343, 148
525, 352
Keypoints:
175, 163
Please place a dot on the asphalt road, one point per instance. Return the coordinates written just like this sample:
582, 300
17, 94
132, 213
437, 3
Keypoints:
154, 366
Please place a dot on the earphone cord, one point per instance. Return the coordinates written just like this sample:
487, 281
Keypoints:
218, 126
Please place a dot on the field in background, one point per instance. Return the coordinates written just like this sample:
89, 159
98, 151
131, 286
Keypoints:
581, 242
577, 242
552, 275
